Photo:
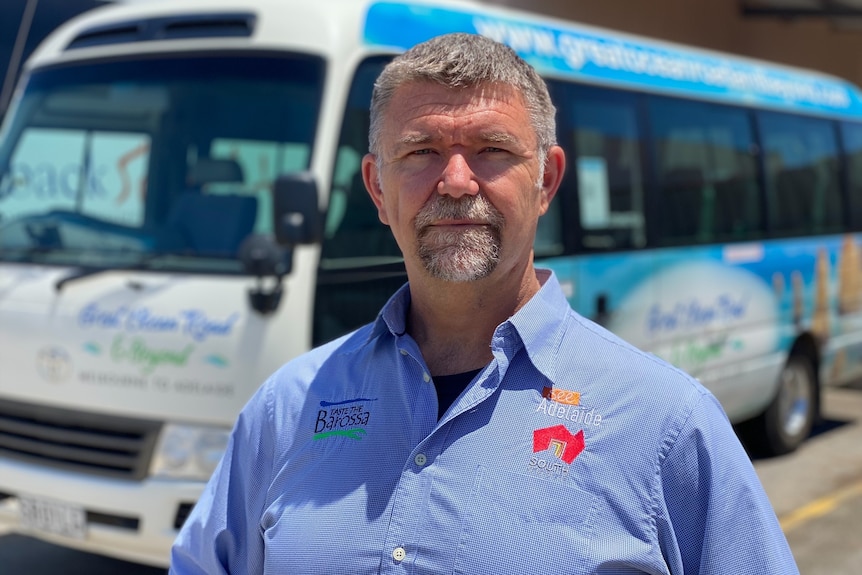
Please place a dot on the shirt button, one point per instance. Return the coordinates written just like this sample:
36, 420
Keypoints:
399, 554
420, 459
403, 352
426, 377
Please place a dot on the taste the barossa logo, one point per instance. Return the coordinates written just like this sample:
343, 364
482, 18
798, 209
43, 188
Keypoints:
347, 418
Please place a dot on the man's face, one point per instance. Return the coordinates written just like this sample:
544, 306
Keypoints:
458, 180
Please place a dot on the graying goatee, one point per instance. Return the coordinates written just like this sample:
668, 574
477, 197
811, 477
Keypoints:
459, 255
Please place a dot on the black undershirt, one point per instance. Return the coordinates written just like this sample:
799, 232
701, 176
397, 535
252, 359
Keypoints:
449, 387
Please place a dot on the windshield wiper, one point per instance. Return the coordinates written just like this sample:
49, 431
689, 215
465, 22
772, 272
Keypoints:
79, 274
87, 271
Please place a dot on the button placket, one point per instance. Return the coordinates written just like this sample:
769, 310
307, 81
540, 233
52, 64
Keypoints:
408, 506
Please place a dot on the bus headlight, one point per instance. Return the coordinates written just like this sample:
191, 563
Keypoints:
188, 451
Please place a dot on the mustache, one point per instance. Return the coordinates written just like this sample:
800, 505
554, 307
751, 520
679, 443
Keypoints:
474, 208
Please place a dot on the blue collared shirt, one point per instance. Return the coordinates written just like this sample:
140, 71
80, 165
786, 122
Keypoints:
571, 452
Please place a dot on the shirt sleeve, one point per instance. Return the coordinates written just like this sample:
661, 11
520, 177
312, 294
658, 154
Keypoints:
714, 516
223, 534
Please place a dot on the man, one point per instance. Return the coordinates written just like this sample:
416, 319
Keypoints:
479, 425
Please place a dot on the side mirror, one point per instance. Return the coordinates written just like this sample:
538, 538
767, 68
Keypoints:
263, 258
296, 216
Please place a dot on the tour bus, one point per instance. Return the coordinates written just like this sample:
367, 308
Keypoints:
181, 212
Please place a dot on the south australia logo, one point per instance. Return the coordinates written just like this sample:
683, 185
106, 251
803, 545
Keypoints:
348, 418
554, 449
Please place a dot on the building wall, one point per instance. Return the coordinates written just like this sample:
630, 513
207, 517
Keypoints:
719, 25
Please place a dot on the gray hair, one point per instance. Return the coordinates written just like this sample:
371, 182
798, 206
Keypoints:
462, 61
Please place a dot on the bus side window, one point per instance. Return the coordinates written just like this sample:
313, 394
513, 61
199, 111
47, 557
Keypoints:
683, 195
353, 232
851, 135
706, 172
602, 130
803, 191
360, 262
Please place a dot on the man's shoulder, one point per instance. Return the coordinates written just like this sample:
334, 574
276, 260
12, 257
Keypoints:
322, 368
563, 344
620, 364
345, 348
644, 400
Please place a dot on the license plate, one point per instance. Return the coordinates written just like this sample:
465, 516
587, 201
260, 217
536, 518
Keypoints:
53, 517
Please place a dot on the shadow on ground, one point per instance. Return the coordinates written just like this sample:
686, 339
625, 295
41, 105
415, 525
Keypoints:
26, 555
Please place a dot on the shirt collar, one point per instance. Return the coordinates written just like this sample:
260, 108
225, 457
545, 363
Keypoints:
393, 317
539, 325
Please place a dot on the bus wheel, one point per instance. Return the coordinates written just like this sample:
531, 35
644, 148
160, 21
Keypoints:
788, 420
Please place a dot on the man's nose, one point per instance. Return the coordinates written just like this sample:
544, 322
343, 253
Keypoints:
458, 178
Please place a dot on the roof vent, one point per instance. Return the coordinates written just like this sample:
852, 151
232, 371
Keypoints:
167, 28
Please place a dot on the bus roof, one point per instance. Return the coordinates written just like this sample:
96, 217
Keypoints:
555, 47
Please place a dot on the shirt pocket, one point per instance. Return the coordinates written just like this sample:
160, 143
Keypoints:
520, 524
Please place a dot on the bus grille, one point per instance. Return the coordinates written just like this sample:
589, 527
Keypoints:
84, 442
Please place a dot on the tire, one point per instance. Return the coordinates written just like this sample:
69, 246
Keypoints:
788, 420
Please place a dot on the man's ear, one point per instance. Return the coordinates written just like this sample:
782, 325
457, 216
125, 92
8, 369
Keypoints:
371, 178
555, 167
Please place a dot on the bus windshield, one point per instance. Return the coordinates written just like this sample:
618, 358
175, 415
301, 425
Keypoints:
162, 162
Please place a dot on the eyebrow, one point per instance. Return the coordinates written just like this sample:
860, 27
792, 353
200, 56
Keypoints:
414, 138
499, 138
492, 137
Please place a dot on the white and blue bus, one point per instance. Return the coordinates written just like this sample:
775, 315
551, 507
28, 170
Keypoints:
181, 212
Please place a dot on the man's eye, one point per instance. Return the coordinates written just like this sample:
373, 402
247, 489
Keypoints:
422, 152
493, 149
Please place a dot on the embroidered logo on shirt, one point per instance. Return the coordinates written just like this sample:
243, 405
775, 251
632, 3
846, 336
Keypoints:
347, 418
557, 448
562, 395
565, 404
559, 441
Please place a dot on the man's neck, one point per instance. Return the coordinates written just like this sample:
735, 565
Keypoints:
453, 324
